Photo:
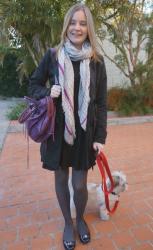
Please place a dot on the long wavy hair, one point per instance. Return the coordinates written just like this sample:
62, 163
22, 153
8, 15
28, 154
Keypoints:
93, 39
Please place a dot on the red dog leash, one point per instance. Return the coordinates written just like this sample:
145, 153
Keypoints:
104, 167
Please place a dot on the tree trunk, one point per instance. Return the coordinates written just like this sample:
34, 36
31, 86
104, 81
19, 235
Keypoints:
132, 79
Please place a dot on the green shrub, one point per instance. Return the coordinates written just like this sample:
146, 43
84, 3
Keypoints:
137, 100
9, 79
15, 112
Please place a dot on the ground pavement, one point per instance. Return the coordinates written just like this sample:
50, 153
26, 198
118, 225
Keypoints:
30, 218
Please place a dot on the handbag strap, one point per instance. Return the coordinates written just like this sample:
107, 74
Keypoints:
104, 167
51, 107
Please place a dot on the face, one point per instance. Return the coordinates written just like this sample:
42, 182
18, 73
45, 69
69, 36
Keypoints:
77, 30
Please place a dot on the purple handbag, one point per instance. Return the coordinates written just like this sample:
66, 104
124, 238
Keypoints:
39, 118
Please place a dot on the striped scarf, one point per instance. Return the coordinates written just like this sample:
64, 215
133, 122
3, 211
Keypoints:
66, 81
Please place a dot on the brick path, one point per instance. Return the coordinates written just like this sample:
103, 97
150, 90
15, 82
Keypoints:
30, 218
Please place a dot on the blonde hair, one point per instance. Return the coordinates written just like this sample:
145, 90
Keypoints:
94, 41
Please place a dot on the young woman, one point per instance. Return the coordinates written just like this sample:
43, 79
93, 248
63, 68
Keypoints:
80, 126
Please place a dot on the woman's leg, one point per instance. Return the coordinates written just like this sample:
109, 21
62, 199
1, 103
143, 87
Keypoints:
63, 196
79, 182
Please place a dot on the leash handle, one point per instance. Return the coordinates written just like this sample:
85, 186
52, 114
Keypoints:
104, 167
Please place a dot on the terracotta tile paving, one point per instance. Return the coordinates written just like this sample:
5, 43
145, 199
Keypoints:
30, 218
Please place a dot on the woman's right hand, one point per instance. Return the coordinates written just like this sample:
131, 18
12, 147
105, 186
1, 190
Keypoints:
55, 91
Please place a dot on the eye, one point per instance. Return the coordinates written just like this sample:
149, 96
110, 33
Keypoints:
72, 22
83, 23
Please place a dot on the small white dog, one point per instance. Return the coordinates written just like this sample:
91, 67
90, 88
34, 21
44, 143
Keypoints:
95, 190
120, 185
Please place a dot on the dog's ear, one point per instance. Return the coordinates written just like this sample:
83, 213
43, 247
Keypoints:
108, 184
116, 180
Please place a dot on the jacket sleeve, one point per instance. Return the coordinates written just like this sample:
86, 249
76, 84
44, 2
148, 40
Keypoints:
37, 84
101, 104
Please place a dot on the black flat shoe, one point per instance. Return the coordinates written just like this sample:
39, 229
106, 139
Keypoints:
85, 238
69, 245
68, 237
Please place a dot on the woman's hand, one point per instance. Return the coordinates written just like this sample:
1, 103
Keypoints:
55, 91
98, 147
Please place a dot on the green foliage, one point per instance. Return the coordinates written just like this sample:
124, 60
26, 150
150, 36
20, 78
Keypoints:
16, 111
134, 100
9, 79
120, 60
33, 25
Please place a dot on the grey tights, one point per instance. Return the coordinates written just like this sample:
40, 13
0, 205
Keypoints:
79, 183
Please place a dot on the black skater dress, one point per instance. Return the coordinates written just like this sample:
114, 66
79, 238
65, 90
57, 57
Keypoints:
75, 155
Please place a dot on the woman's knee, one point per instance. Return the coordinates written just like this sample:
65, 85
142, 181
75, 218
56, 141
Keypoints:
79, 181
79, 187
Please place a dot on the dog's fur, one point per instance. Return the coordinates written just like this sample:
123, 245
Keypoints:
95, 190
120, 185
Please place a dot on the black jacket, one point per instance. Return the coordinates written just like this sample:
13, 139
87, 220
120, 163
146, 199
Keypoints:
97, 110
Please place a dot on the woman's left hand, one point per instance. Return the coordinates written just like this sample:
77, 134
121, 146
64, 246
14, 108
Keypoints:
98, 147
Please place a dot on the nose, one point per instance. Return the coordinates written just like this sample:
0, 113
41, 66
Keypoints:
77, 26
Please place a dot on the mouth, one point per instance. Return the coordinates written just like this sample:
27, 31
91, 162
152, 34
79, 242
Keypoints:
76, 35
